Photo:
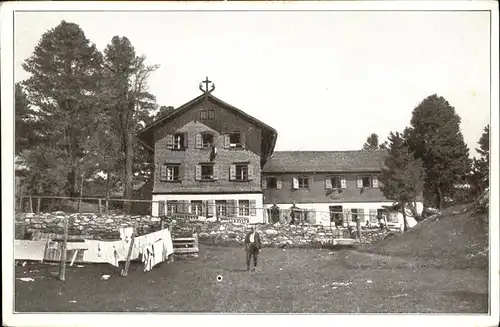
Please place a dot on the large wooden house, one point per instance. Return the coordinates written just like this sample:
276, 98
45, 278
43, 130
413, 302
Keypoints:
328, 186
208, 160
214, 160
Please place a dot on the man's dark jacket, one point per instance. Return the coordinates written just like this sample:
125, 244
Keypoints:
256, 241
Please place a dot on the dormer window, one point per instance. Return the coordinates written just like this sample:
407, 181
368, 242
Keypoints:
235, 140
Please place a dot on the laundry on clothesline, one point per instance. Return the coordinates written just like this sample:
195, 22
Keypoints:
154, 248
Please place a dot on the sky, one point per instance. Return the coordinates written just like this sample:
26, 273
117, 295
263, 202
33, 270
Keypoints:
324, 80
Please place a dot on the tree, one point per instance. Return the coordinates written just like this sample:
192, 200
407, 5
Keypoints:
128, 99
402, 176
479, 178
24, 123
65, 73
372, 143
435, 139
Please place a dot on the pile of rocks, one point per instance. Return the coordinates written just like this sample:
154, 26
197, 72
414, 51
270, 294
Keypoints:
106, 227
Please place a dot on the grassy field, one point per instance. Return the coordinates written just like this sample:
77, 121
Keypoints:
407, 274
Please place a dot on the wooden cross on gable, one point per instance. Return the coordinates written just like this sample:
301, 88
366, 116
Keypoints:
204, 88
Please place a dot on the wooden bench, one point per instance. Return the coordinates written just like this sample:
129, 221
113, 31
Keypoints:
53, 250
186, 245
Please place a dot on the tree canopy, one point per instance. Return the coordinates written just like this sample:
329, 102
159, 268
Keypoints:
435, 138
77, 112
403, 175
372, 143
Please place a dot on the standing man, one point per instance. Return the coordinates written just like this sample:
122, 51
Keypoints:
252, 247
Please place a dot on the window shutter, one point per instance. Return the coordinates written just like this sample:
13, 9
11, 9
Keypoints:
198, 173
210, 207
373, 215
181, 172
232, 210
170, 141
243, 140
199, 141
263, 183
204, 209
360, 182
227, 141
328, 182
279, 184
186, 140
215, 171
361, 215
250, 172
347, 215
375, 181
163, 172
161, 208
185, 206
295, 183
343, 182
253, 210
312, 216
232, 172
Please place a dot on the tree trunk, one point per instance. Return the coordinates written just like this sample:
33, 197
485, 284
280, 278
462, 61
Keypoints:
406, 227
439, 194
129, 175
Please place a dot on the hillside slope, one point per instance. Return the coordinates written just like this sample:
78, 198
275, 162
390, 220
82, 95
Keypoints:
456, 238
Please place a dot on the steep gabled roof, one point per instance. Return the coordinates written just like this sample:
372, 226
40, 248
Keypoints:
145, 135
325, 161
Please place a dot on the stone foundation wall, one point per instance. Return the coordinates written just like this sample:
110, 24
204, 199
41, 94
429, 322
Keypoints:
105, 227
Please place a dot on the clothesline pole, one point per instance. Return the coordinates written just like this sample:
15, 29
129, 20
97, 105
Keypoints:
129, 254
62, 263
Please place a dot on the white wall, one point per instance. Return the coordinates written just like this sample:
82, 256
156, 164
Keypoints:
323, 210
258, 218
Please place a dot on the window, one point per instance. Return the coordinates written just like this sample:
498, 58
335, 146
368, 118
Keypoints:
241, 172
358, 214
303, 182
197, 207
336, 182
211, 114
207, 172
244, 207
272, 182
178, 141
172, 207
235, 140
207, 114
170, 172
336, 215
221, 207
207, 140
367, 181
173, 173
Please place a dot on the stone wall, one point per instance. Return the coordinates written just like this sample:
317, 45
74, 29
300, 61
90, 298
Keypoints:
103, 227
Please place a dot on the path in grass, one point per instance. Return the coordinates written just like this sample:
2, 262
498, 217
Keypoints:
291, 280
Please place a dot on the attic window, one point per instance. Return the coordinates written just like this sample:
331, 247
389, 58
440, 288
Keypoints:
207, 114
211, 114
